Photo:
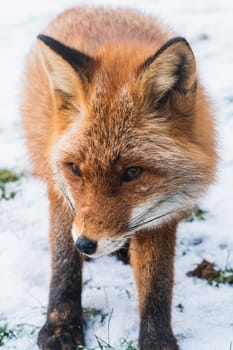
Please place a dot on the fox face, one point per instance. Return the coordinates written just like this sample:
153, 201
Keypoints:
126, 153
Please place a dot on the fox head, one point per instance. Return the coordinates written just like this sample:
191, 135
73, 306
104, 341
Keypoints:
132, 138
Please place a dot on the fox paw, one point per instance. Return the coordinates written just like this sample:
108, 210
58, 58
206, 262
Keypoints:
62, 337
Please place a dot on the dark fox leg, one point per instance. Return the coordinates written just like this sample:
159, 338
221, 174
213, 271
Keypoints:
152, 256
63, 329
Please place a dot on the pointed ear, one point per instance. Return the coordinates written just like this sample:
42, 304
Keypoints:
68, 70
169, 78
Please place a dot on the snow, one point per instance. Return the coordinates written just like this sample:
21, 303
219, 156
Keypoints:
206, 322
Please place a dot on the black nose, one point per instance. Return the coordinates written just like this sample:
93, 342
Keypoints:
86, 246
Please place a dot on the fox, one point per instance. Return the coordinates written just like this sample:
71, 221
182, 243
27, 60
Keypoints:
120, 128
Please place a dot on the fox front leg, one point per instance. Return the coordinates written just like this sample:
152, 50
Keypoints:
63, 329
152, 255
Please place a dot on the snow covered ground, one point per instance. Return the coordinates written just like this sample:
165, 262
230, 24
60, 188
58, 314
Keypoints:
205, 320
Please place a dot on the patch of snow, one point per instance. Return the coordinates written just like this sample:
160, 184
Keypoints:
206, 322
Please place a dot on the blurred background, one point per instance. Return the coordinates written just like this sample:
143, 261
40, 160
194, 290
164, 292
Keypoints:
202, 310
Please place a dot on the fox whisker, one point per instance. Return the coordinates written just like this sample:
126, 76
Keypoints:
174, 198
62, 188
131, 229
166, 199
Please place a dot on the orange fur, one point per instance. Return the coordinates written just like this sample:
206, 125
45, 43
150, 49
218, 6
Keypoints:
136, 105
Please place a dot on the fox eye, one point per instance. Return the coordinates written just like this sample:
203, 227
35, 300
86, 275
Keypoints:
132, 174
75, 169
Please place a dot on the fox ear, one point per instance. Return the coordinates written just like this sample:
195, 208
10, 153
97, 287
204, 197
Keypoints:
169, 77
69, 70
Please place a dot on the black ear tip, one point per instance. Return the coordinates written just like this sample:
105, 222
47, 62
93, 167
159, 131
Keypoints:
177, 39
47, 40
40, 36
78, 60
164, 47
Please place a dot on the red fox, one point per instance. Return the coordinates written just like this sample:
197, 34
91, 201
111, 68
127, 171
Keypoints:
118, 125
